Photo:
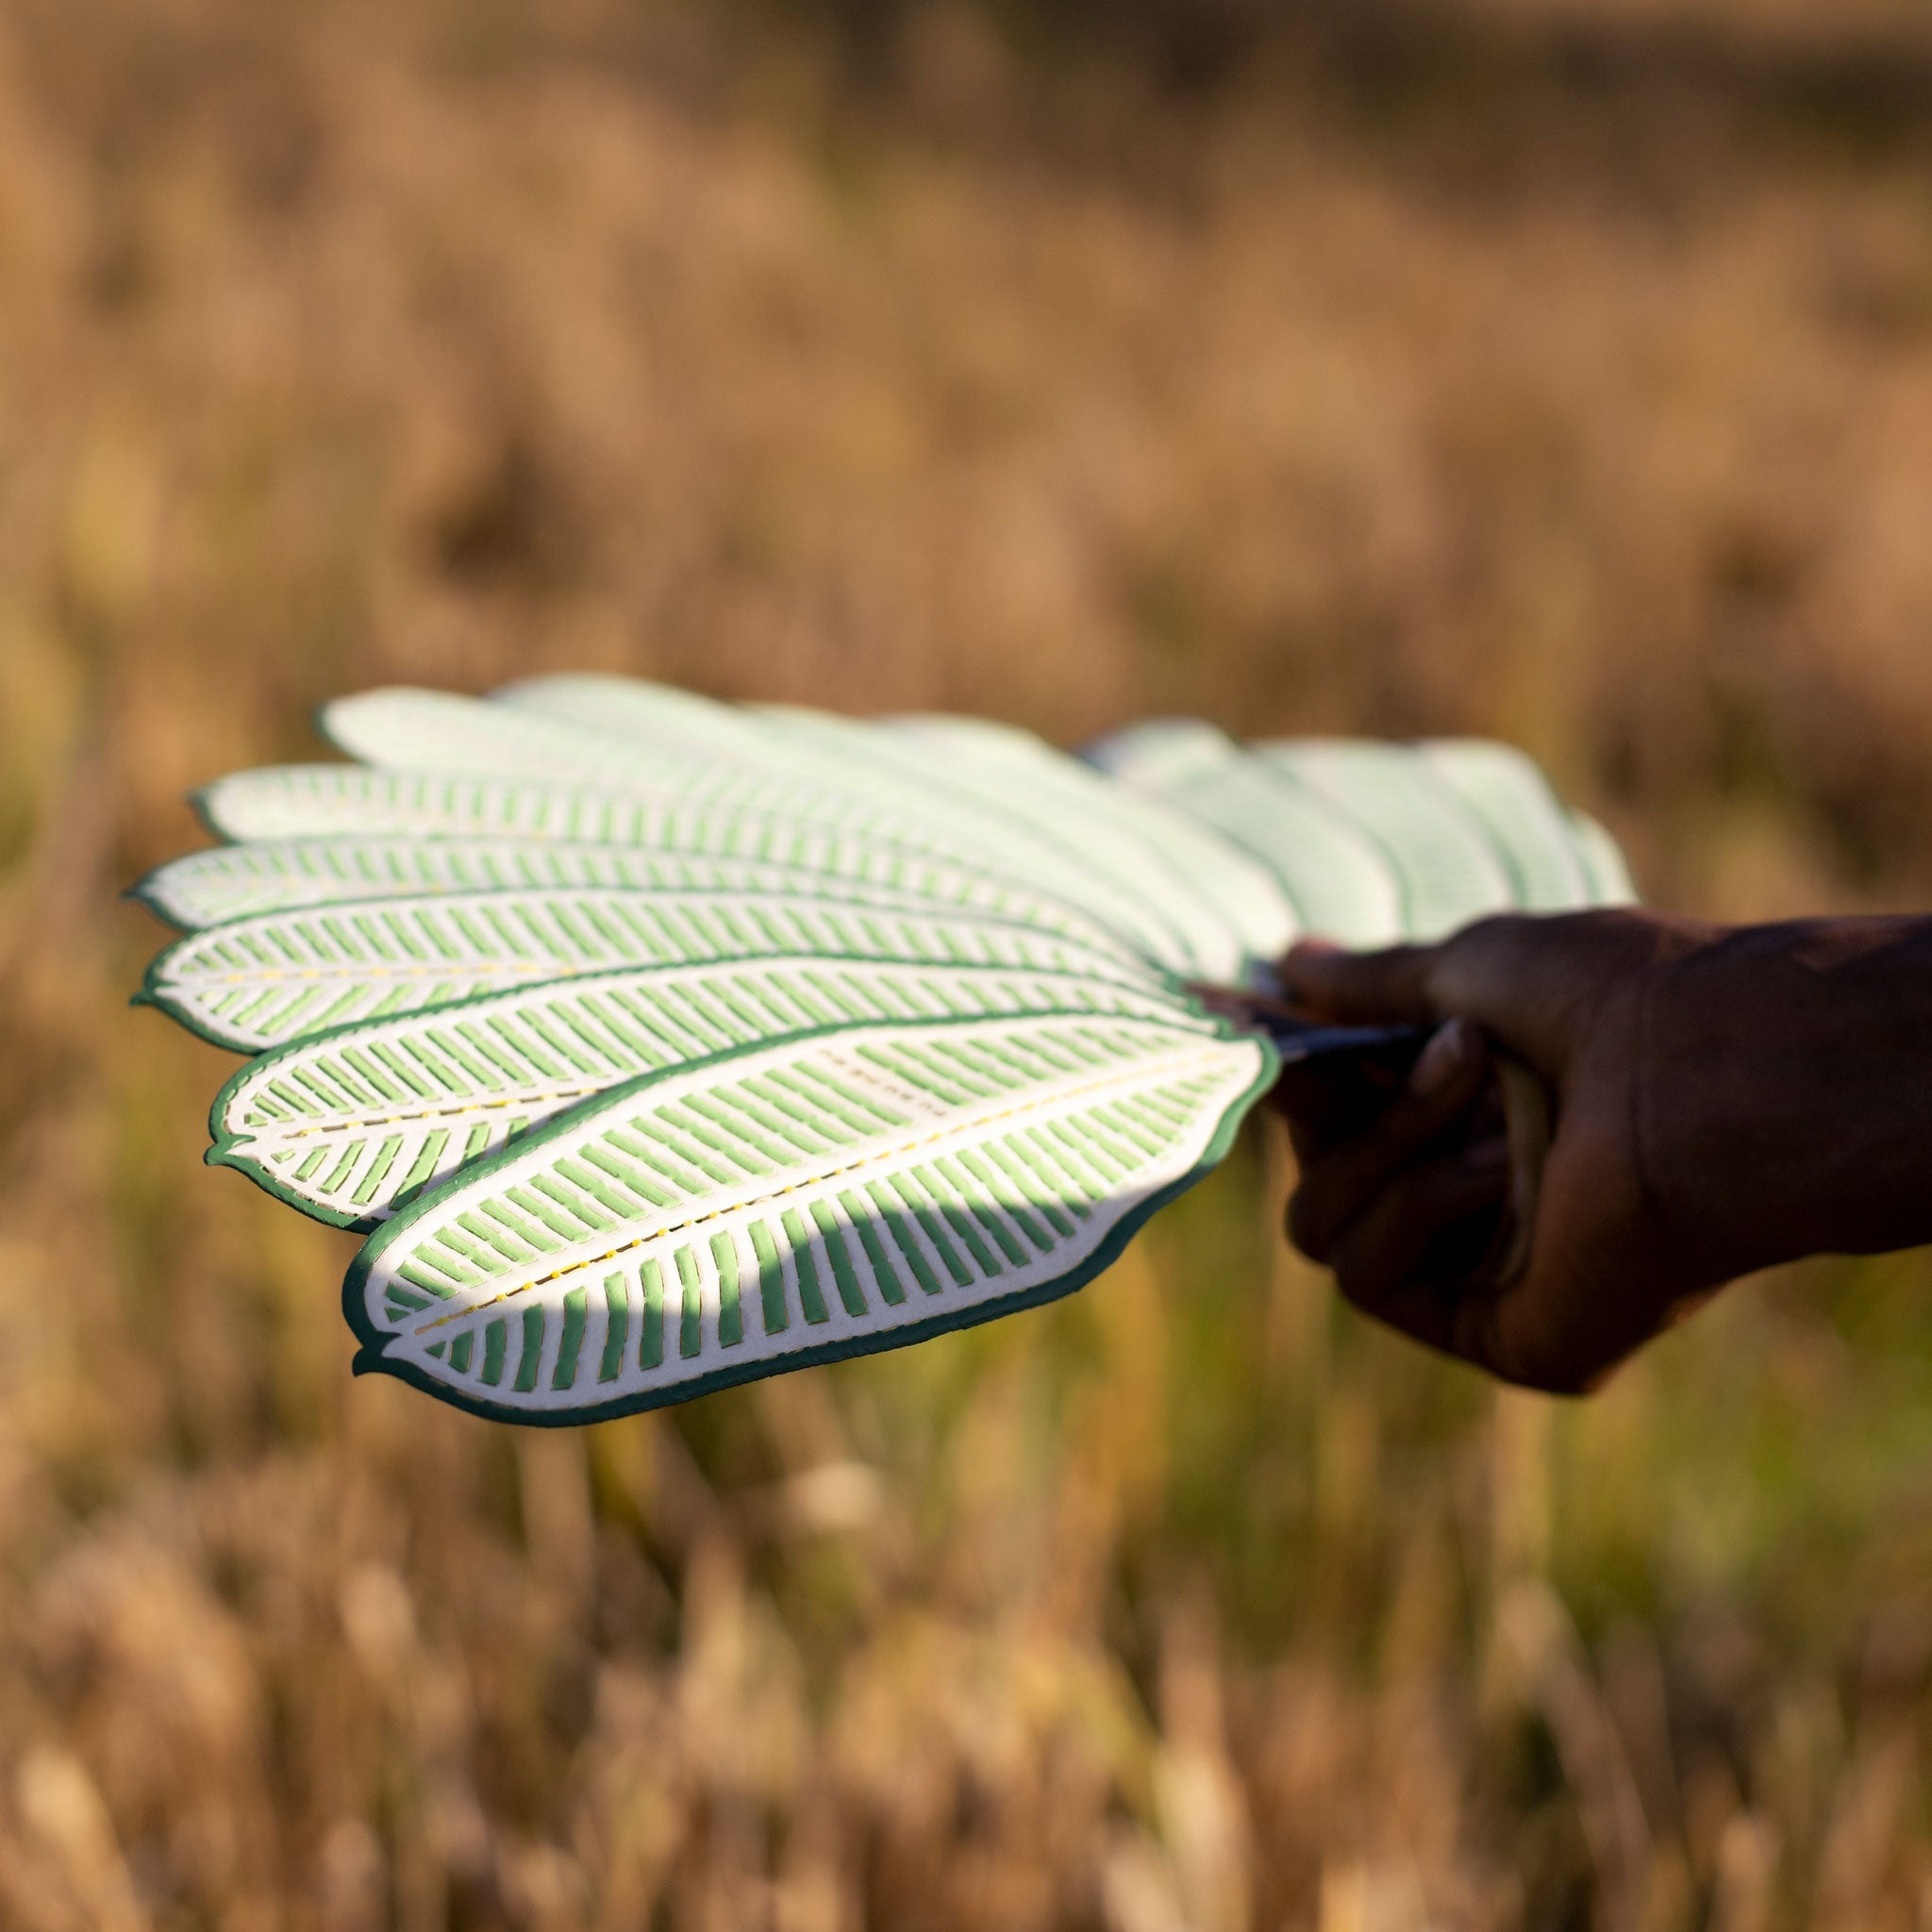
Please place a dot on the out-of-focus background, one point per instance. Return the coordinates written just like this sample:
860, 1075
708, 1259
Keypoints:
1554, 369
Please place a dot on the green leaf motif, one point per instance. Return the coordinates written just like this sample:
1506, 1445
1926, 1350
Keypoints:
1336, 875
1517, 810
439, 731
303, 802
1229, 901
258, 982
357, 1119
795, 767
1610, 883
1447, 869
1373, 844
316, 801
1097, 864
863, 1187
228, 882
664, 1043
1189, 899
1033, 809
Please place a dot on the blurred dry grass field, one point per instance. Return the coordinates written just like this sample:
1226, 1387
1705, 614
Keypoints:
1560, 369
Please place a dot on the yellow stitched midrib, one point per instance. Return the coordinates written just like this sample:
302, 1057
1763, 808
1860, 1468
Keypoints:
830, 1174
415, 968
368, 1124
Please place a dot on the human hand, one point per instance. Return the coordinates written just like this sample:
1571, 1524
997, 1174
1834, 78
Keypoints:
1721, 1100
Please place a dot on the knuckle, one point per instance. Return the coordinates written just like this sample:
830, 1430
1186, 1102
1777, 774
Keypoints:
1492, 933
1487, 950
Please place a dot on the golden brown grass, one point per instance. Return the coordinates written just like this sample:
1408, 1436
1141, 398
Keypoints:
1585, 405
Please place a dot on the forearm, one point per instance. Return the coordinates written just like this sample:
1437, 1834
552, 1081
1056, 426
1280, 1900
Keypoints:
1786, 1103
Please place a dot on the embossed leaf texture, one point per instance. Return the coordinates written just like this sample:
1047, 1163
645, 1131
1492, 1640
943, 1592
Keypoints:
781, 1205
660, 1044
1371, 843
254, 983
1025, 829
790, 775
352, 1122
277, 874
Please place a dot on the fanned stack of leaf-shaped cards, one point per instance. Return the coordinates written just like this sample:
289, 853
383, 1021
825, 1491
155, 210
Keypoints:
662, 1043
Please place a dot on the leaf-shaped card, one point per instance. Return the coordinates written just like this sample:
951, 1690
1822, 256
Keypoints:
1372, 843
254, 983
781, 1205
229, 882
354, 1120
787, 775
1034, 811
662, 1043
1147, 841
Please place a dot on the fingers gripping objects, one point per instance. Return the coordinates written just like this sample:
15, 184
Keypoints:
1412, 1237
1526, 1115
1341, 1180
1599, 1038
1442, 1191
1486, 971
1346, 1166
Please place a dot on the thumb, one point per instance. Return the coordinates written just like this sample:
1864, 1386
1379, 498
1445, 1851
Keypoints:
1360, 988
1537, 985
1523, 980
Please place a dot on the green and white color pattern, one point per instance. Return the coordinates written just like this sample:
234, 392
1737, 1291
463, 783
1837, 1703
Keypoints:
658, 1044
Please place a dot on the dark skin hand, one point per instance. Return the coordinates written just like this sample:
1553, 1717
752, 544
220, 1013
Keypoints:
1723, 1099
